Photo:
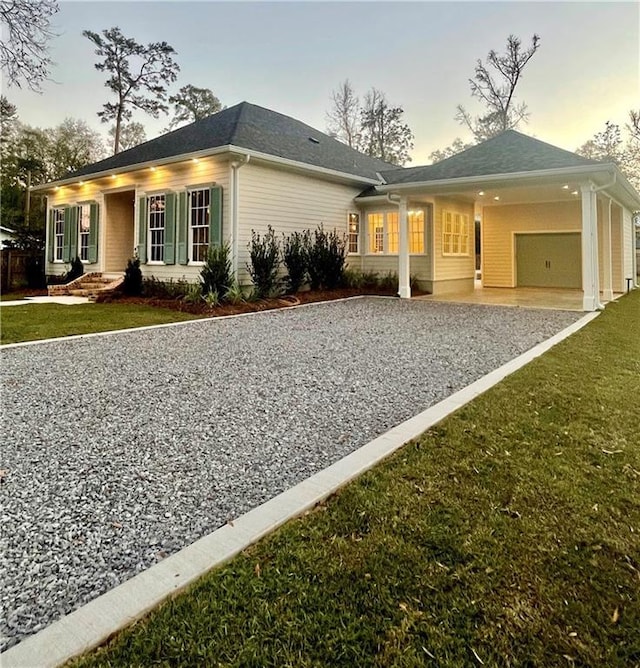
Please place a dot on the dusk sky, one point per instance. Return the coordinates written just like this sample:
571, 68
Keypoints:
289, 56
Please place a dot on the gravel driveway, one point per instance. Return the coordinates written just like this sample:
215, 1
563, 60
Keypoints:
122, 449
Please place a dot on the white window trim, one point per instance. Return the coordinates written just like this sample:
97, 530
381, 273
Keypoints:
190, 261
162, 193
55, 235
358, 233
80, 206
385, 243
464, 221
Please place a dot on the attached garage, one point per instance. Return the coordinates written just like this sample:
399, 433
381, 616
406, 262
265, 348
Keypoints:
548, 260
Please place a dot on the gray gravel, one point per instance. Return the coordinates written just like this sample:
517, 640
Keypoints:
123, 449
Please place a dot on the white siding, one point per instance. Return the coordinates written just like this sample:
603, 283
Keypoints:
288, 202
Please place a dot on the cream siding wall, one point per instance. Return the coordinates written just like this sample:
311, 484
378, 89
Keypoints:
617, 249
628, 241
448, 268
165, 178
288, 202
500, 222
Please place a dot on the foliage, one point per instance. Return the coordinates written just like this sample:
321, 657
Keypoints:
132, 284
76, 269
453, 149
445, 549
215, 275
193, 294
327, 253
609, 146
375, 128
343, 119
212, 299
296, 259
234, 294
193, 104
264, 262
131, 134
138, 76
154, 287
494, 85
26, 31
383, 133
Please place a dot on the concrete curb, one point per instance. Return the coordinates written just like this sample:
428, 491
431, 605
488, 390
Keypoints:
92, 624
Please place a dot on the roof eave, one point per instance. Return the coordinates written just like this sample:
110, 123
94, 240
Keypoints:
218, 150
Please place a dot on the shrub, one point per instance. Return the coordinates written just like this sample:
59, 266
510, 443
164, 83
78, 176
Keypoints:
76, 270
264, 255
153, 287
212, 299
235, 294
132, 284
327, 253
194, 293
216, 273
296, 259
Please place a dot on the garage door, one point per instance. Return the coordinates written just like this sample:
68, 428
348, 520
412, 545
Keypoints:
549, 260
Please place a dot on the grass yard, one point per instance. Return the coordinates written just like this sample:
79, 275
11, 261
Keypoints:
509, 535
44, 321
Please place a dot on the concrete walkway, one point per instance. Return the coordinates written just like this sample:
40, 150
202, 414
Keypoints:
69, 301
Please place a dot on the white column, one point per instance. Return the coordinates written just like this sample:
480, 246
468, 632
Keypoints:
590, 282
607, 266
404, 281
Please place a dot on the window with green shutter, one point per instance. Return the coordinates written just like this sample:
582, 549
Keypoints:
215, 218
92, 249
170, 229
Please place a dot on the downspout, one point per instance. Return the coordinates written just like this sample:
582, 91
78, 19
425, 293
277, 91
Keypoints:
234, 202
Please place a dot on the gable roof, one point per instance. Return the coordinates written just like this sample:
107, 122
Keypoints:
250, 127
507, 153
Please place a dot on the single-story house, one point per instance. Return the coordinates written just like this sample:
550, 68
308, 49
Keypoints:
549, 218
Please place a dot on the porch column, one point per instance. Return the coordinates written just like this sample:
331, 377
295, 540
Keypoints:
607, 267
404, 280
590, 279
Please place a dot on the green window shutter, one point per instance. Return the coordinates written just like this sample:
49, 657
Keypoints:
142, 229
66, 239
51, 249
93, 233
182, 235
170, 228
215, 216
73, 234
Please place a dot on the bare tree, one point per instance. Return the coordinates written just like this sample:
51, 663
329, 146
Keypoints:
494, 84
383, 134
26, 30
343, 120
457, 146
139, 76
131, 134
193, 104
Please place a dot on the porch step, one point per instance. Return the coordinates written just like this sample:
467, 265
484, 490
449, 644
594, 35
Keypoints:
90, 285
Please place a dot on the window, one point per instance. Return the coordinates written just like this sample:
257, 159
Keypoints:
384, 232
354, 232
156, 207
376, 232
455, 233
416, 231
58, 233
199, 223
84, 222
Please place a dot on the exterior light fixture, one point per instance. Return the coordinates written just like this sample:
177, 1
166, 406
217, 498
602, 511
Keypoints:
113, 176
152, 169
80, 183
565, 187
195, 160
575, 192
496, 198
481, 193
57, 188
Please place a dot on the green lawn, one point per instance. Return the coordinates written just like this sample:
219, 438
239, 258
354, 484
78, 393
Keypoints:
508, 535
44, 321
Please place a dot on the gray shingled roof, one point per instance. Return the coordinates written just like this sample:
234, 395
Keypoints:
250, 127
507, 153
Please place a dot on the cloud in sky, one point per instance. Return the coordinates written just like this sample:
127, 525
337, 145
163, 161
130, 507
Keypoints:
288, 56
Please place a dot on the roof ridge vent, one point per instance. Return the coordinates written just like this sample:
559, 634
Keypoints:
314, 140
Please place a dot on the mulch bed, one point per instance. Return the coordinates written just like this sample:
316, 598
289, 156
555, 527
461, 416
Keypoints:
245, 307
